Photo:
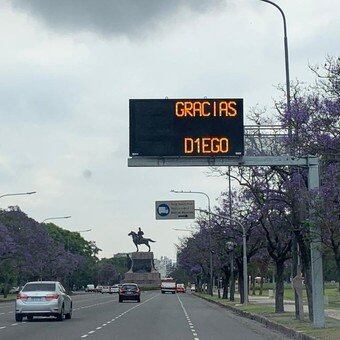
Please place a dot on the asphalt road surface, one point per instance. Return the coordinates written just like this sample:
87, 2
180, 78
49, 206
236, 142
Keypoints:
158, 316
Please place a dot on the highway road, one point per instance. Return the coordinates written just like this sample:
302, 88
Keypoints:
158, 316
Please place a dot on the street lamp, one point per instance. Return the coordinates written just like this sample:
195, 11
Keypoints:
180, 229
209, 217
245, 269
55, 218
82, 231
286, 58
19, 194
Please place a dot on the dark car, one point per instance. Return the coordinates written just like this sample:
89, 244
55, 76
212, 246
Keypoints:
129, 291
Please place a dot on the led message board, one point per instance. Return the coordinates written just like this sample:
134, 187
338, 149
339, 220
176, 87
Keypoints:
186, 127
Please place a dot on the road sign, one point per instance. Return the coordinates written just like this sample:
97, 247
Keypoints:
175, 210
186, 127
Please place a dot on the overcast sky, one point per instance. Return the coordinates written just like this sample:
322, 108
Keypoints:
68, 68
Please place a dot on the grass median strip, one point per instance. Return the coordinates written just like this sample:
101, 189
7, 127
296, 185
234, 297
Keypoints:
287, 319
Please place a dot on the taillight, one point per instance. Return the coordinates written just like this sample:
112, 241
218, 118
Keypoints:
122, 290
138, 290
22, 297
52, 297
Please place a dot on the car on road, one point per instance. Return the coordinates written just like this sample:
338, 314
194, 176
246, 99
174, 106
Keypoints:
115, 289
168, 285
90, 288
180, 288
99, 289
106, 289
43, 298
193, 287
129, 291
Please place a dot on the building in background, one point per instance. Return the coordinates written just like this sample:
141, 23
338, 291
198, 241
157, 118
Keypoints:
163, 266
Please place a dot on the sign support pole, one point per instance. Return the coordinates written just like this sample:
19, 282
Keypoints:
316, 256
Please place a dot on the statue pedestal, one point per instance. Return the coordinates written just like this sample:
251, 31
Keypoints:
142, 270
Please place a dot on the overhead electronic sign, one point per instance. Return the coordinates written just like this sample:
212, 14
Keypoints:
186, 127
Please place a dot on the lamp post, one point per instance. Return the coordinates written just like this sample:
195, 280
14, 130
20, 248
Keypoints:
245, 269
55, 218
82, 231
210, 243
19, 194
285, 38
180, 229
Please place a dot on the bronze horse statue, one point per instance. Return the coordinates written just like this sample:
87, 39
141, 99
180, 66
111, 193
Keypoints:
140, 240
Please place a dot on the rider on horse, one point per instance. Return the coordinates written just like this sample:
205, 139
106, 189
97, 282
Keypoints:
140, 233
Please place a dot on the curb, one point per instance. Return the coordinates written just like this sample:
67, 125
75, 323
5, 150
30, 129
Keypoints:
263, 320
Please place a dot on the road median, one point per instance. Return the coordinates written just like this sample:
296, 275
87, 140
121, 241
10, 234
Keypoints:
284, 323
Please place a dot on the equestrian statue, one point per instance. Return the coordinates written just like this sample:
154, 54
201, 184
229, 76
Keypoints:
138, 238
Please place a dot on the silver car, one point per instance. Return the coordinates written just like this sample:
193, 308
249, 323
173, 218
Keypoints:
43, 298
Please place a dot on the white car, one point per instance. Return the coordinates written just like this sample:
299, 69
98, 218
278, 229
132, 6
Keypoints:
193, 288
115, 289
106, 289
43, 298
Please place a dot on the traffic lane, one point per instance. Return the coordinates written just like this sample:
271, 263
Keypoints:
48, 328
159, 316
7, 312
211, 321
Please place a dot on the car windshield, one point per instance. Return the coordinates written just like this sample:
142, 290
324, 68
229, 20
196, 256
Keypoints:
36, 287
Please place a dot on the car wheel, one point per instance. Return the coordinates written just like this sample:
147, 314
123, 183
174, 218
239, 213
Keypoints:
18, 317
138, 299
60, 316
30, 317
68, 316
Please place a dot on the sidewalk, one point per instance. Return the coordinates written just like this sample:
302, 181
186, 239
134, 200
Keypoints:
289, 305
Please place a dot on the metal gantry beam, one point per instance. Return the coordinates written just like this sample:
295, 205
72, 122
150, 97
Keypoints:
222, 161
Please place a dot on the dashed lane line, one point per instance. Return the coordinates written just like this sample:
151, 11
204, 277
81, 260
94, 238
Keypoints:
94, 305
117, 317
190, 324
74, 309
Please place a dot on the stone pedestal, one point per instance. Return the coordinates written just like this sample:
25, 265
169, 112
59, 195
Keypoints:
142, 270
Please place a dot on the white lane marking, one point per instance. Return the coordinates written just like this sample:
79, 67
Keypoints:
117, 317
191, 326
94, 305
14, 324
2, 327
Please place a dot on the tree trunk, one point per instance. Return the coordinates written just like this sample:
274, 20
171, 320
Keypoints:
337, 261
240, 286
261, 286
225, 289
306, 270
232, 288
226, 277
279, 287
253, 284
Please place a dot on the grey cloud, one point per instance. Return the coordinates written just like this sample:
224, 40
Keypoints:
109, 17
